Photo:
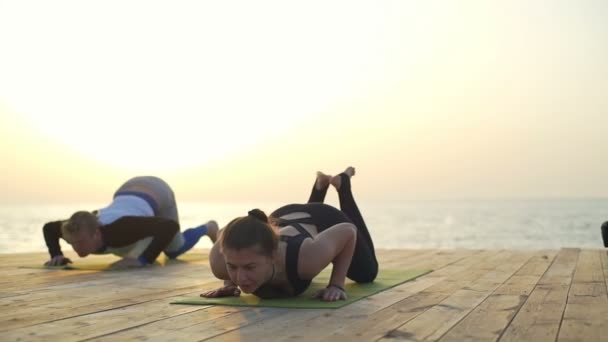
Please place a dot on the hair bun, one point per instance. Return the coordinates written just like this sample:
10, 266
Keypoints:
257, 213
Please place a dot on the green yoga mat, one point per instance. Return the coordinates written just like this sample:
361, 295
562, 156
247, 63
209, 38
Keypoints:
93, 265
385, 280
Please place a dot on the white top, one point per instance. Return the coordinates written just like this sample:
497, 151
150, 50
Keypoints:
124, 205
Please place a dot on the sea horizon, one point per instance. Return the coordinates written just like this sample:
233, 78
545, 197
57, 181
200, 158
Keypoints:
530, 223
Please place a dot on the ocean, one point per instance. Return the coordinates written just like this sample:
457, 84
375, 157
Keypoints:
473, 224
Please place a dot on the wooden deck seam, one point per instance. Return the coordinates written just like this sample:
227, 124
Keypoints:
91, 313
473, 263
488, 294
527, 298
488, 297
561, 321
168, 295
305, 319
143, 324
272, 312
494, 260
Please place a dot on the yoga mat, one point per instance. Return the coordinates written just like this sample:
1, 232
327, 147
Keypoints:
385, 280
93, 265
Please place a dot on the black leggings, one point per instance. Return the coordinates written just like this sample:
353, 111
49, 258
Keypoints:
364, 265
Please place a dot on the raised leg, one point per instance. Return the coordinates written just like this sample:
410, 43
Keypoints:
364, 265
319, 189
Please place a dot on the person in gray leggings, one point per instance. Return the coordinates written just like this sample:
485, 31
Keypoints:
141, 222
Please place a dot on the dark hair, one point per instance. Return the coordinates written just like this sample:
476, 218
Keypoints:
253, 230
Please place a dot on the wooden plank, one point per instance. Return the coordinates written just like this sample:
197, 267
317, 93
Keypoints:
49, 309
38, 259
228, 325
65, 306
540, 316
586, 314
589, 267
403, 261
451, 303
19, 259
199, 325
488, 320
451, 279
436, 321
312, 324
523, 282
138, 280
34, 279
111, 300
52, 278
100, 323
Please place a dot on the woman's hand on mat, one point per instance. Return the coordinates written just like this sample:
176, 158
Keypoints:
58, 260
224, 291
331, 294
126, 263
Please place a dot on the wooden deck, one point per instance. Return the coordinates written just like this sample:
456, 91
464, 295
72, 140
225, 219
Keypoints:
479, 295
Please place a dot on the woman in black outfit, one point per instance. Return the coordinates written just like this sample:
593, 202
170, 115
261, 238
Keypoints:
278, 256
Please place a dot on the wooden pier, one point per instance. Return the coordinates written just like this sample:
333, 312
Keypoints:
472, 295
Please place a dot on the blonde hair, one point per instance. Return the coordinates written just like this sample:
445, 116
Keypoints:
79, 222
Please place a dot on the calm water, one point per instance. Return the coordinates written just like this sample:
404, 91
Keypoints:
518, 224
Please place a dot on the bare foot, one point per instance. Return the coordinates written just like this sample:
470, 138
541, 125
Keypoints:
336, 181
322, 180
212, 229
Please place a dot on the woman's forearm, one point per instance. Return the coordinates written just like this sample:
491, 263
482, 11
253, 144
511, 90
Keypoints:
342, 261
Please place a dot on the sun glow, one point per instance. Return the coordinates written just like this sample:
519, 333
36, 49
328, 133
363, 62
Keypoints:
190, 83
464, 99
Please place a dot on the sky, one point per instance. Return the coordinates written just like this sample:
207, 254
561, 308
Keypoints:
242, 100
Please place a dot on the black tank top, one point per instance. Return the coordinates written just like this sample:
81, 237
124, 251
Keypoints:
322, 216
